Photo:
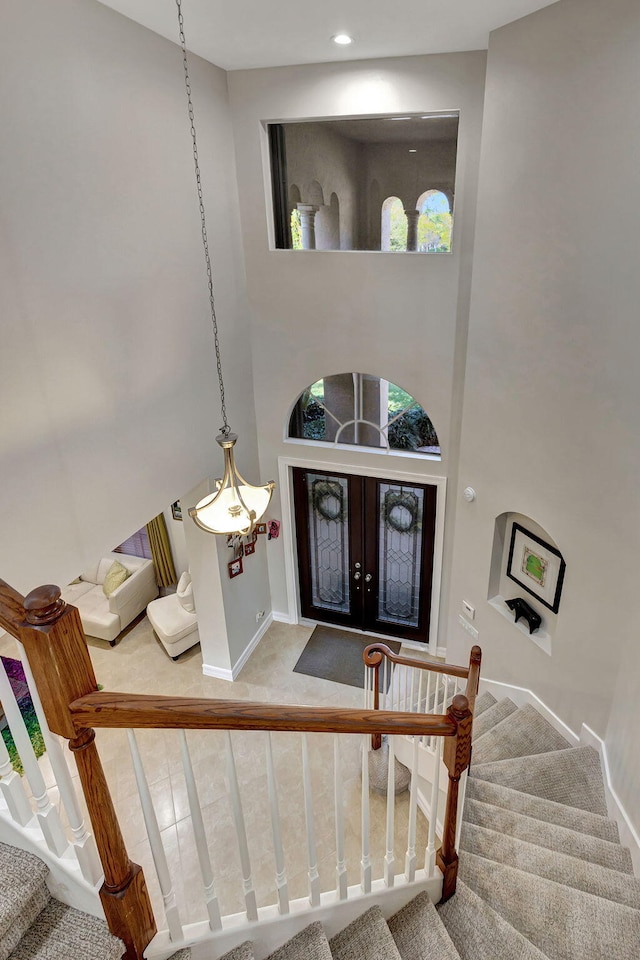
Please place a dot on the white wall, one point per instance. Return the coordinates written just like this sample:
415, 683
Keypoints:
107, 375
402, 318
552, 391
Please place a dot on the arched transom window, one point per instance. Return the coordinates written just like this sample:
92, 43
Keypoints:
360, 409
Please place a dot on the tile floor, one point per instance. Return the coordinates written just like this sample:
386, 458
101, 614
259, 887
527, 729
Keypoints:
139, 664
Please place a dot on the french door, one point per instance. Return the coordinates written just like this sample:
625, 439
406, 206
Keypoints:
365, 551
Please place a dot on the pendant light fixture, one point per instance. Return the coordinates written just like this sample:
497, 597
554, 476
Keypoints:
235, 506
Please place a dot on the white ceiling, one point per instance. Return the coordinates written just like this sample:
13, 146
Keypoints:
270, 33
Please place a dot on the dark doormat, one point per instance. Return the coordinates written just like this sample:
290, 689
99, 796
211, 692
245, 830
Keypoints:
337, 655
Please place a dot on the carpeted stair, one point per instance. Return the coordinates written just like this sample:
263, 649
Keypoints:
542, 873
36, 926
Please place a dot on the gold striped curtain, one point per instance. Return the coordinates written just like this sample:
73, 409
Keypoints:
161, 551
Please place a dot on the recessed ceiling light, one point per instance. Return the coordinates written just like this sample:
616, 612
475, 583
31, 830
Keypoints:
413, 151
343, 39
399, 118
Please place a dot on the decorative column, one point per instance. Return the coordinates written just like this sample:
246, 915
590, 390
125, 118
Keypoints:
307, 213
412, 229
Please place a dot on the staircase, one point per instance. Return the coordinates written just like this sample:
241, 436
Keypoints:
542, 873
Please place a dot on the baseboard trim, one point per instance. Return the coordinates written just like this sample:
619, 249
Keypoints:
629, 834
220, 673
281, 617
226, 673
522, 696
253, 643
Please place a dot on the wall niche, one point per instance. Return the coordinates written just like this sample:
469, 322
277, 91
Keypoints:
545, 574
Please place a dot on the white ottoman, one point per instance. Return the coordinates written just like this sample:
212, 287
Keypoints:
174, 619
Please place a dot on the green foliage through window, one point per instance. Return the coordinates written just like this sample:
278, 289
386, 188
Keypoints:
403, 424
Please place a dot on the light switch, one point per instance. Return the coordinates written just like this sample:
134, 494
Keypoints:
468, 610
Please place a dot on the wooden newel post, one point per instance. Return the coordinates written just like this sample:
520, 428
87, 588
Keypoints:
54, 640
456, 756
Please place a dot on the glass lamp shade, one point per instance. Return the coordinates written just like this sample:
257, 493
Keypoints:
236, 506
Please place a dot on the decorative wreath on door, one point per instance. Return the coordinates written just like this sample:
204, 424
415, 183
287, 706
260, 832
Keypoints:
328, 499
401, 511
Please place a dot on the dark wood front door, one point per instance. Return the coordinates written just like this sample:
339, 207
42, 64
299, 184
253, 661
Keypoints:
365, 551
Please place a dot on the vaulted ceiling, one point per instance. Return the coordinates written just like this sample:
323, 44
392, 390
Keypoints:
271, 33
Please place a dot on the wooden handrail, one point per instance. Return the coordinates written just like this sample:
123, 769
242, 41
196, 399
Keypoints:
373, 654
133, 710
52, 634
475, 662
12, 612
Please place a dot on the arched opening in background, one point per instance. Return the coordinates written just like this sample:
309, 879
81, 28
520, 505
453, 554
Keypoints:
295, 226
434, 222
393, 226
328, 225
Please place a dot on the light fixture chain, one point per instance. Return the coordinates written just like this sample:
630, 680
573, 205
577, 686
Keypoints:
225, 429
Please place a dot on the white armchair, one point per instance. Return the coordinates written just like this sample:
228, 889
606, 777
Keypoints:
174, 619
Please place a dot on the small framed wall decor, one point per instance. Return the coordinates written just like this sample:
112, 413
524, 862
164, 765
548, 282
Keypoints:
536, 566
176, 510
249, 548
261, 528
235, 568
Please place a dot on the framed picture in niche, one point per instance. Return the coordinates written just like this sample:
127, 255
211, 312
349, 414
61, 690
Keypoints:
536, 566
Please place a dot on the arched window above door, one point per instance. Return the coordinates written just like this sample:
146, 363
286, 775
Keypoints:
365, 411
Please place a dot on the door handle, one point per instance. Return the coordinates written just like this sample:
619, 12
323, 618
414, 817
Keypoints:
368, 577
357, 575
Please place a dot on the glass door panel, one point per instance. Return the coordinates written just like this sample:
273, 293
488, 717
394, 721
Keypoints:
328, 528
400, 510
365, 552
328, 514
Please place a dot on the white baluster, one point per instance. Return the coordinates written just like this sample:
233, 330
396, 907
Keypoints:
414, 677
312, 852
202, 848
384, 696
410, 858
48, 816
420, 687
455, 687
365, 863
155, 842
281, 873
341, 866
12, 789
241, 832
430, 856
389, 860
83, 842
429, 708
461, 795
